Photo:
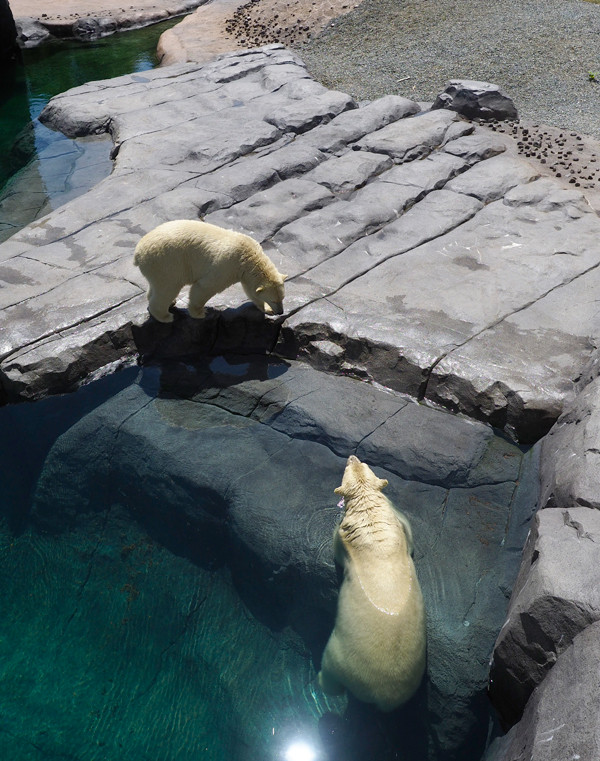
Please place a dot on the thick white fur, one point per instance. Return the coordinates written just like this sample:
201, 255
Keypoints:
377, 647
210, 259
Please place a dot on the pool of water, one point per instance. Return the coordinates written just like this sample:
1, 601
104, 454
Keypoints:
124, 639
167, 583
27, 188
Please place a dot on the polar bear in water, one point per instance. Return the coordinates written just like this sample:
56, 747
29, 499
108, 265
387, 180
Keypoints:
378, 645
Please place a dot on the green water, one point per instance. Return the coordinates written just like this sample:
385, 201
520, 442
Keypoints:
53, 68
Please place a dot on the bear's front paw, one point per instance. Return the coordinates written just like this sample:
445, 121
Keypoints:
165, 318
196, 313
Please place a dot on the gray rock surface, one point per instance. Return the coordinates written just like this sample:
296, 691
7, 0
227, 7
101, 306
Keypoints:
476, 100
572, 454
556, 596
561, 719
287, 430
59, 172
424, 256
387, 219
57, 23
31, 32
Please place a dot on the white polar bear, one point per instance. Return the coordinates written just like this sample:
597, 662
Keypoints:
210, 259
377, 647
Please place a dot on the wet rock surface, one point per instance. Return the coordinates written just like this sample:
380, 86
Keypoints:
267, 509
59, 172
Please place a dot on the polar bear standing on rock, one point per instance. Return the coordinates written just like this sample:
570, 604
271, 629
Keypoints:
377, 647
210, 259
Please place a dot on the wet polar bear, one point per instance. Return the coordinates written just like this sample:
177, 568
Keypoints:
377, 647
210, 259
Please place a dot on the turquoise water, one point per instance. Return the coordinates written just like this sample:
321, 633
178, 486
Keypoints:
53, 68
126, 640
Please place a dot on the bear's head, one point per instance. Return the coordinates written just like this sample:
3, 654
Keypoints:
268, 296
359, 485
359, 477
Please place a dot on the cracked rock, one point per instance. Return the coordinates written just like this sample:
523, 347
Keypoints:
571, 454
557, 595
429, 255
561, 718
476, 100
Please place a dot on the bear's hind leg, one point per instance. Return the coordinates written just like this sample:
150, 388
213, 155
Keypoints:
330, 684
328, 680
159, 301
198, 297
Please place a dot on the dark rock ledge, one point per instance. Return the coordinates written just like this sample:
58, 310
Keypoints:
423, 256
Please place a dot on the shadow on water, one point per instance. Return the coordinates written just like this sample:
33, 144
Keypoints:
29, 431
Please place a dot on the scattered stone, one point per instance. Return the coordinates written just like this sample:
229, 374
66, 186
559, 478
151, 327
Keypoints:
476, 100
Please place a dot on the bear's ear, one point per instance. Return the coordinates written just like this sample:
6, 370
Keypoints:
383, 482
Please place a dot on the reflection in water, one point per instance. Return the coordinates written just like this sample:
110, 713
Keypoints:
300, 751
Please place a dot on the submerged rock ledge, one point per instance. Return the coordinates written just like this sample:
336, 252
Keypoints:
422, 253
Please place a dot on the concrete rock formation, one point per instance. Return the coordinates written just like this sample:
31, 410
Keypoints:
561, 719
425, 254
556, 596
386, 218
555, 599
87, 21
476, 100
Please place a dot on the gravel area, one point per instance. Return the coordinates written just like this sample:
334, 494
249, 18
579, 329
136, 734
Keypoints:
541, 52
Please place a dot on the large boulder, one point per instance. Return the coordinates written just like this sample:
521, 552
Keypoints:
556, 596
571, 454
562, 718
